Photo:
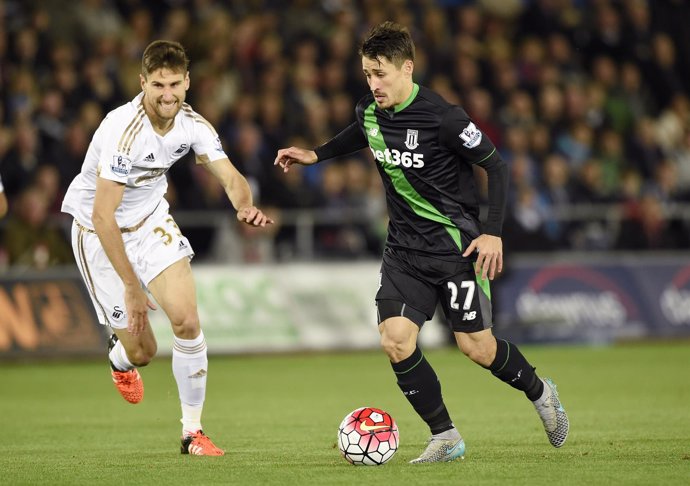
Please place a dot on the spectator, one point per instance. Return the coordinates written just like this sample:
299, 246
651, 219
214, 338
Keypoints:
643, 152
576, 144
671, 124
524, 229
681, 159
649, 229
556, 193
480, 107
635, 93
611, 155
22, 160
29, 239
662, 73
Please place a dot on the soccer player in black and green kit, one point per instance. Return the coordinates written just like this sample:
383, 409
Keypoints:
436, 249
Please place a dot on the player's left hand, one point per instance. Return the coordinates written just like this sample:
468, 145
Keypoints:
490, 255
253, 216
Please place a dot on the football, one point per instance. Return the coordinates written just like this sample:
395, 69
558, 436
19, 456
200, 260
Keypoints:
368, 437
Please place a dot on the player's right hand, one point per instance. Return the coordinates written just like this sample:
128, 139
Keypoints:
294, 155
137, 304
489, 250
253, 216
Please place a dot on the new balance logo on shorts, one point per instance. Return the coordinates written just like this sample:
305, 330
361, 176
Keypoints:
469, 316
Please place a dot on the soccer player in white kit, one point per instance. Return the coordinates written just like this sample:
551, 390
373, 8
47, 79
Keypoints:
125, 241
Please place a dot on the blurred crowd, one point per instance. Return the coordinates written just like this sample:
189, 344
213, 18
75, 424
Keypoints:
588, 101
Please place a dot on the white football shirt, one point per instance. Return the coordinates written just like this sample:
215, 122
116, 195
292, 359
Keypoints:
126, 149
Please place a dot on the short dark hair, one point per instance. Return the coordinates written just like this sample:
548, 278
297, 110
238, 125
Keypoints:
164, 54
388, 40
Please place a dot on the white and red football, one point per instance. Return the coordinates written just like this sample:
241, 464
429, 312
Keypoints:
368, 437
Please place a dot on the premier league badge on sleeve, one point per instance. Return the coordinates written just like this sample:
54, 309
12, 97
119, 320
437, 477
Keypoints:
471, 135
121, 165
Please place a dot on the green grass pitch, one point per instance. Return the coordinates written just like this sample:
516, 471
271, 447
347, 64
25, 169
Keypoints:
629, 407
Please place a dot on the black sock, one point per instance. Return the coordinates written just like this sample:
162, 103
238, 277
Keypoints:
420, 385
511, 367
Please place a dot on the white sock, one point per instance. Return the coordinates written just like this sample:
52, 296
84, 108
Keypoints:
118, 357
190, 365
451, 434
546, 394
191, 419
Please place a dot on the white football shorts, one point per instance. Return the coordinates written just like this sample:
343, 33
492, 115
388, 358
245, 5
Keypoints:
152, 246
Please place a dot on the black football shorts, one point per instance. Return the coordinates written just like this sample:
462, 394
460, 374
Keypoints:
412, 284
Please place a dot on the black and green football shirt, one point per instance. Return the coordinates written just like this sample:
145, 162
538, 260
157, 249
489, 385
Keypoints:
424, 150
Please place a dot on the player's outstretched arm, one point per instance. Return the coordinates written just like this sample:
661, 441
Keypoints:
294, 155
349, 140
238, 191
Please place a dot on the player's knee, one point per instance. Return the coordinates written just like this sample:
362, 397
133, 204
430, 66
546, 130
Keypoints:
480, 356
396, 349
143, 355
186, 326
477, 352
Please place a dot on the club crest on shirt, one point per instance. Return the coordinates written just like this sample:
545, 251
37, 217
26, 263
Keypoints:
181, 150
471, 135
411, 140
121, 165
